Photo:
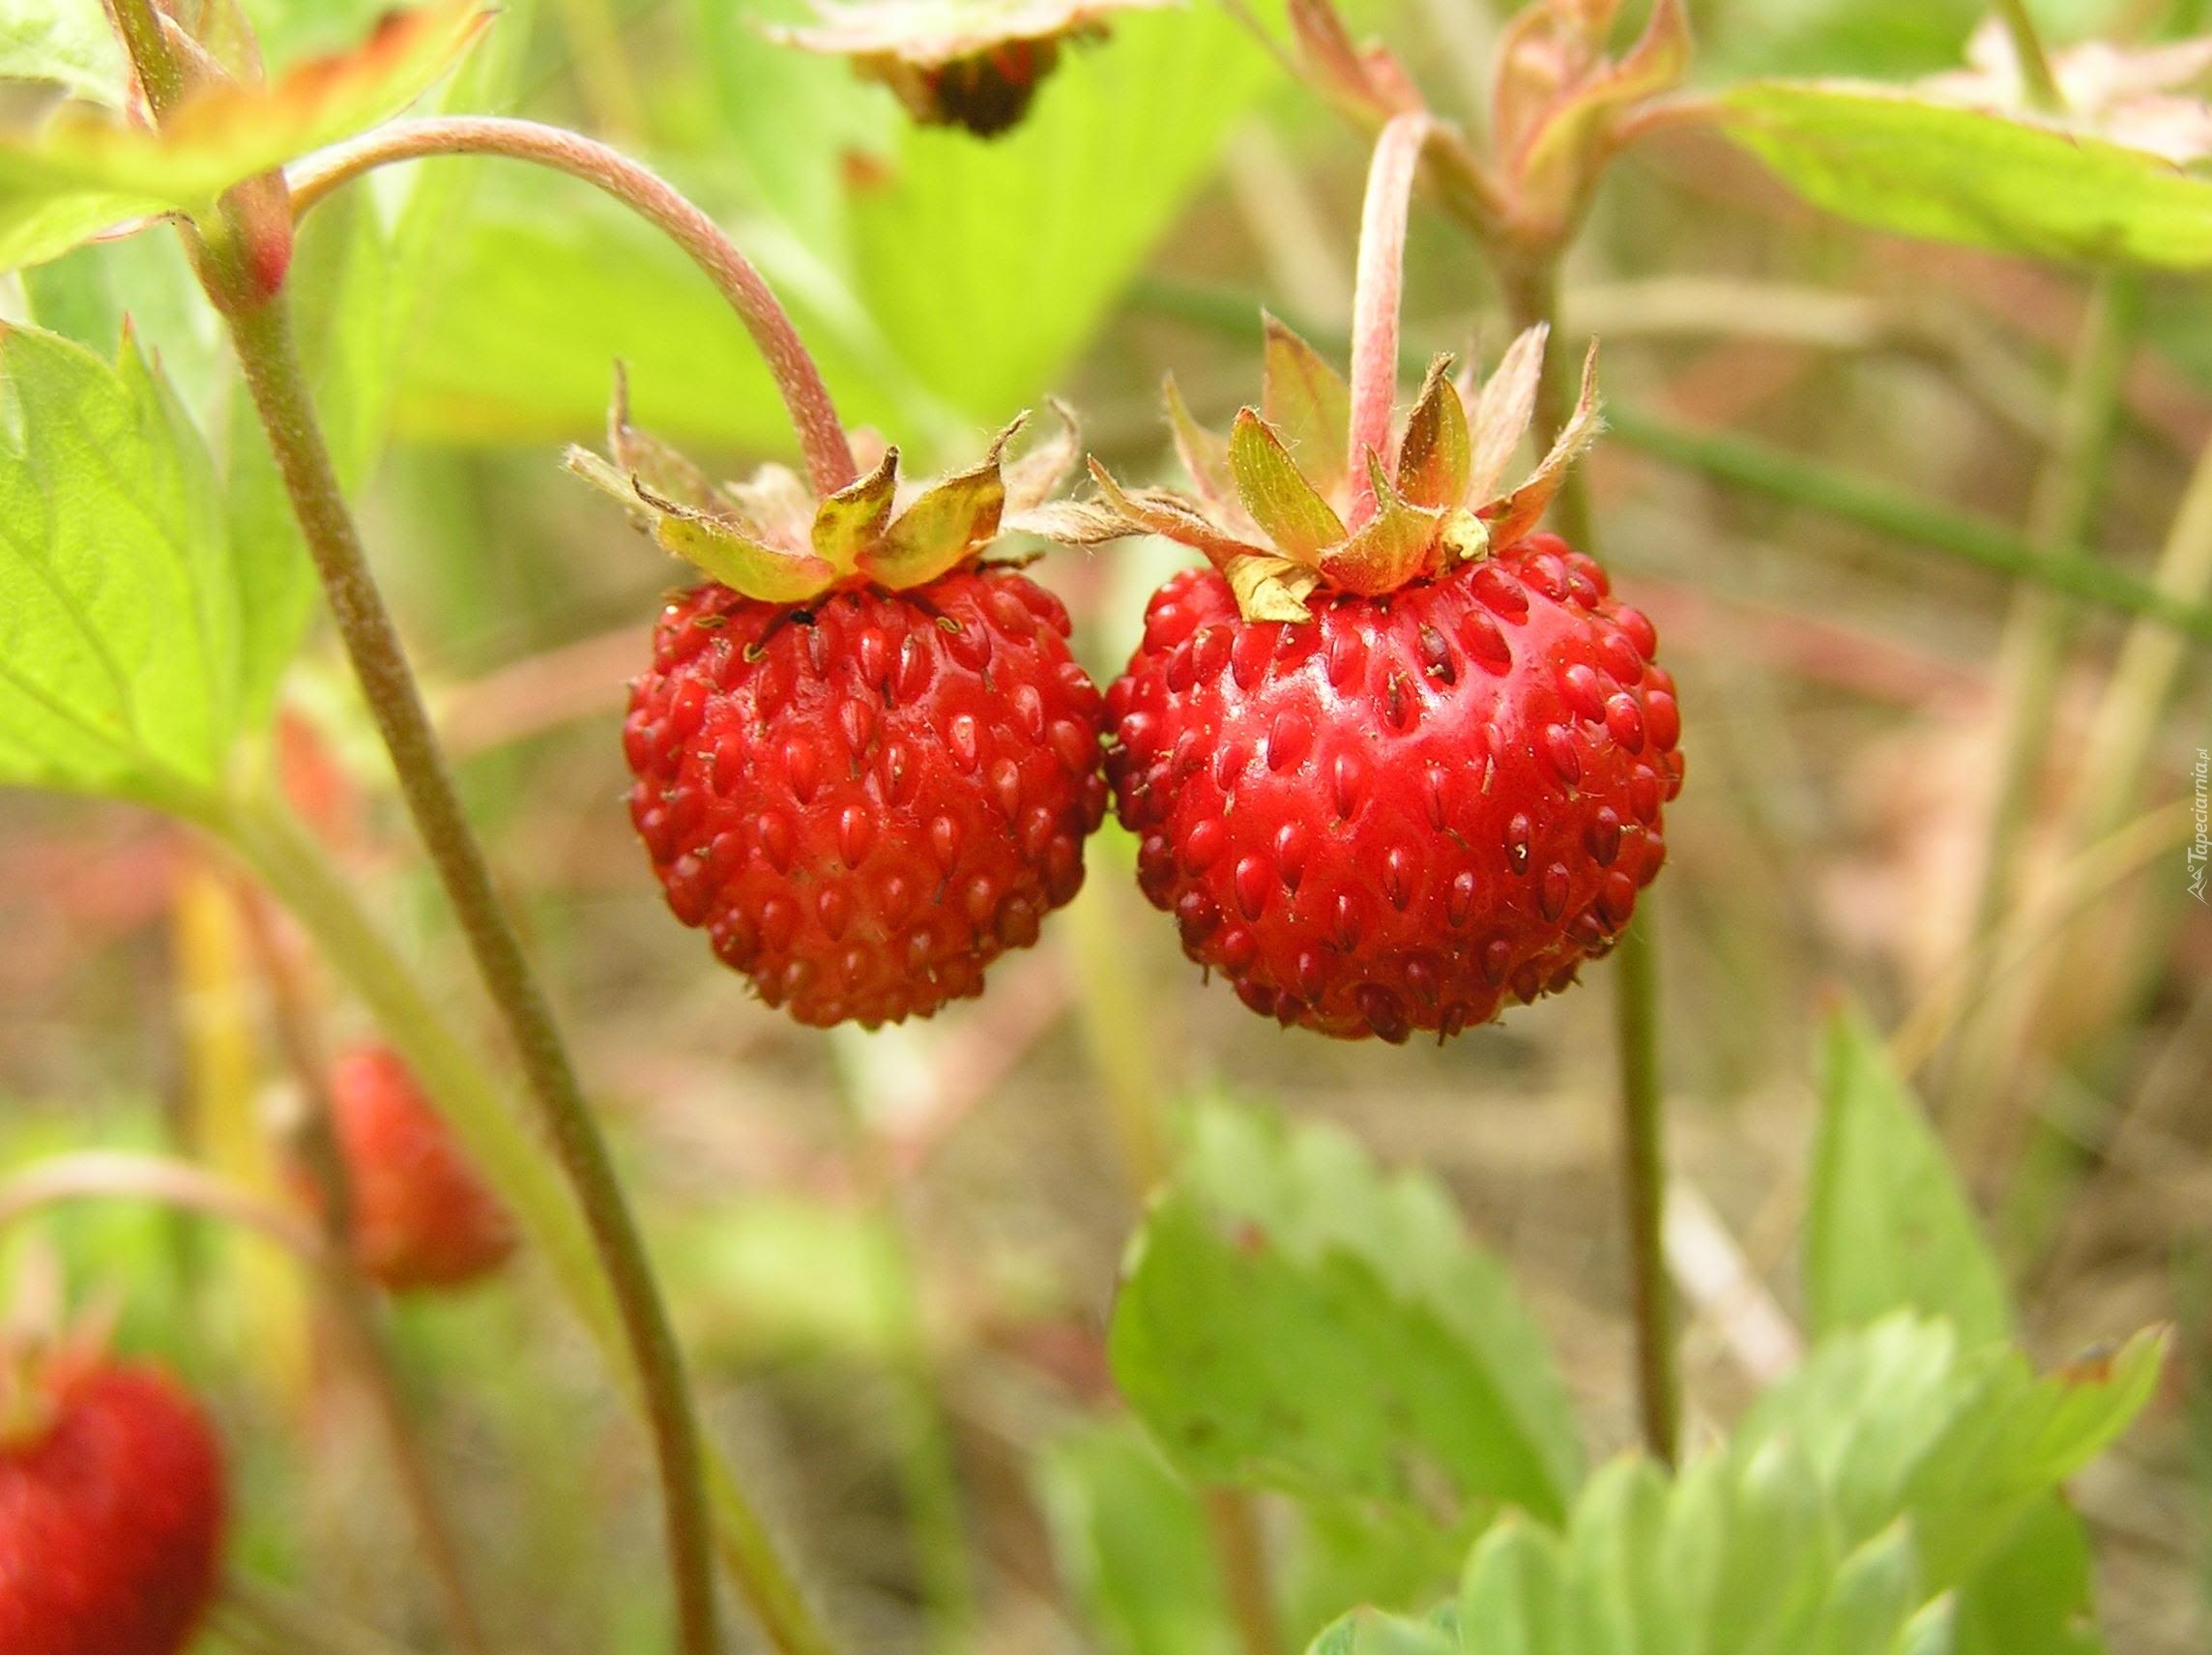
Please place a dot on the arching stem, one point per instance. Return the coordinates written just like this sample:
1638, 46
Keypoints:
813, 414
1376, 296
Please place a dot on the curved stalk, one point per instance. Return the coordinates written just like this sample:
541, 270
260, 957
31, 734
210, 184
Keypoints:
813, 414
1376, 298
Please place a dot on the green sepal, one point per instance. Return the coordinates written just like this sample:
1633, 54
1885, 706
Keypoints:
848, 522
1391, 547
1205, 455
1436, 455
948, 524
717, 547
1308, 404
1279, 496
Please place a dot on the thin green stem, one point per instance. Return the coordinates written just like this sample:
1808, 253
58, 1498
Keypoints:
805, 397
329, 906
262, 336
1242, 1551
2035, 76
1532, 289
2060, 513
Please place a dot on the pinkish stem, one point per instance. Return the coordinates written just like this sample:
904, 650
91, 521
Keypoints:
1375, 299
813, 416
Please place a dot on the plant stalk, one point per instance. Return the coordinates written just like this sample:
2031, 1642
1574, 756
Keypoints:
262, 336
1533, 294
328, 905
806, 398
1376, 300
2035, 76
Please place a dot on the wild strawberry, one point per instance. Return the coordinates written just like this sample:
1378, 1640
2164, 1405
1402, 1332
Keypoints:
865, 764
111, 1513
1395, 758
964, 63
420, 1213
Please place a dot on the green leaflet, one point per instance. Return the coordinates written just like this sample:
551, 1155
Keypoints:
1291, 1318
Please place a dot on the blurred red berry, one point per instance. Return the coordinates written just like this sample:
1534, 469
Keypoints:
112, 1514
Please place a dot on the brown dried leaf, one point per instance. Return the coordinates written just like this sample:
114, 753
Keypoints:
1156, 512
1502, 412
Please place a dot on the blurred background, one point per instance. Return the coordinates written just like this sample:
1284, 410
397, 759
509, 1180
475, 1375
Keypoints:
891, 1255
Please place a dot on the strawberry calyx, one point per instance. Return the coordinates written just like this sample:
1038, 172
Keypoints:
1277, 509
774, 540
962, 62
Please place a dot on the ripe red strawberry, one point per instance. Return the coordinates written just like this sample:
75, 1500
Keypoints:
865, 760
112, 1514
420, 1214
1396, 814
1394, 757
866, 800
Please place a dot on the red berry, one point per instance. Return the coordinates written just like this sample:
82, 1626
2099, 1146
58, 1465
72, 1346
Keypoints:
112, 1516
866, 800
422, 1216
1397, 814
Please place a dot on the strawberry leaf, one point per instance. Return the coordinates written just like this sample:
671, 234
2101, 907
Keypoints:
84, 170
128, 663
1309, 406
1435, 455
1288, 508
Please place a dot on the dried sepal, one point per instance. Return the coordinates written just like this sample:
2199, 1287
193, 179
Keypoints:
945, 525
1517, 513
1504, 410
1156, 512
1069, 522
1392, 547
722, 547
654, 463
1270, 588
1032, 480
1435, 454
848, 522
1277, 494
776, 500
1309, 405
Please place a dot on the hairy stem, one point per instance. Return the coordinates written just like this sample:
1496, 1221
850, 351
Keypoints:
1375, 300
806, 398
262, 336
1242, 1550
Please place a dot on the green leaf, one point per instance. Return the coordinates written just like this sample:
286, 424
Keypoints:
127, 661
1889, 1229
2032, 1597
69, 42
1366, 1631
1893, 161
83, 170
1132, 1541
991, 264
1308, 404
1291, 1317
1900, 1422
